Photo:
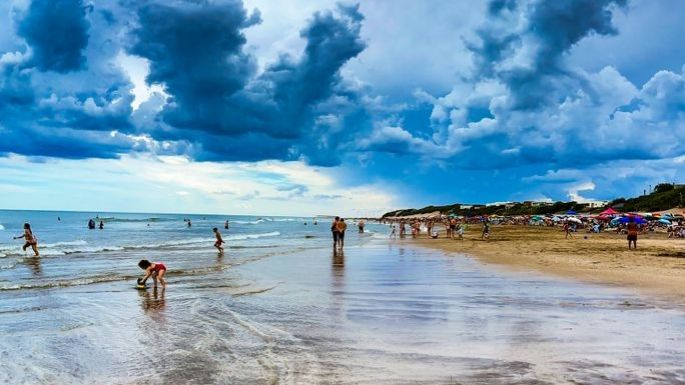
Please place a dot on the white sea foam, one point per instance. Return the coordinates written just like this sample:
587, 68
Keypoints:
240, 237
193, 241
2, 227
79, 242
250, 222
81, 246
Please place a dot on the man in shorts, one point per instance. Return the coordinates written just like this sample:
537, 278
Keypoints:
632, 233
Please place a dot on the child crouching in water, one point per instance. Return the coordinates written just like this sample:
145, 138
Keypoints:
155, 270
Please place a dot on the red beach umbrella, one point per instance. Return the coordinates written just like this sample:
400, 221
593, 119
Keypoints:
609, 211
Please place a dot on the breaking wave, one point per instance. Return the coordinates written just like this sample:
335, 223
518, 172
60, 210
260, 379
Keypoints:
150, 219
81, 246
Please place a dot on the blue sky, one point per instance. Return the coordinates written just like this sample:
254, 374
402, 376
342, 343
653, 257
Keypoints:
336, 107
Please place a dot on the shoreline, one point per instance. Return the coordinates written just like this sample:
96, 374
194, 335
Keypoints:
657, 267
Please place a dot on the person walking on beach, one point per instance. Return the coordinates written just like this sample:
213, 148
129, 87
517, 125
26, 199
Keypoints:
30, 239
341, 226
632, 233
486, 231
334, 231
567, 230
393, 231
156, 270
361, 225
219, 240
460, 231
452, 228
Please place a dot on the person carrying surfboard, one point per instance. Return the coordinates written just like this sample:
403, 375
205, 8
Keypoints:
156, 270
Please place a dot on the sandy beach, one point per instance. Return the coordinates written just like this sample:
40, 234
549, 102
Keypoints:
657, 266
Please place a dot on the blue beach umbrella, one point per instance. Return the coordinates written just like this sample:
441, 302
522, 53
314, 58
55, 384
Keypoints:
571, 212
638, 220
664, 221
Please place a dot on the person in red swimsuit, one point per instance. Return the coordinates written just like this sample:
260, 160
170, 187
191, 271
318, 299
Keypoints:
155, 270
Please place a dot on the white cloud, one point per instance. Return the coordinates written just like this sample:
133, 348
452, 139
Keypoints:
146, 183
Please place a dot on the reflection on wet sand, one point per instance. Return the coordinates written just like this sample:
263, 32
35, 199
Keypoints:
34, 264
338, 270
152, 301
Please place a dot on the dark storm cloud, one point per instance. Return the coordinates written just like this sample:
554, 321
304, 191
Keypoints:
332, 40
196, 51
57, 32
63, 98
218, 101
219, 105
552, 28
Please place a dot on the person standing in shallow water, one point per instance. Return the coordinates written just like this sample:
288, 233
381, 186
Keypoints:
219, 240
341, 227
334, 231
30, 239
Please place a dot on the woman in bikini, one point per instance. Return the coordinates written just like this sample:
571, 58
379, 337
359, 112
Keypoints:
30, 239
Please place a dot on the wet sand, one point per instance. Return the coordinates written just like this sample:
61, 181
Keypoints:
656, 267
385, 312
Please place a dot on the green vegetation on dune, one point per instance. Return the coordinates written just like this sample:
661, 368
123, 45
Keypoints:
664, 197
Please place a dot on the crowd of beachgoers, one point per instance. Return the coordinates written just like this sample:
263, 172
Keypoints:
438, 225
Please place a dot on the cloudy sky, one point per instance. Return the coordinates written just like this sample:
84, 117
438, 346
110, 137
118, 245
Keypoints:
303, 107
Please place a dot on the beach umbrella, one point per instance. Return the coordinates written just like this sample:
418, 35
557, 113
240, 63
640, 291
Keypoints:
571, 212
575, 220
664, 221
609, 211
635, 218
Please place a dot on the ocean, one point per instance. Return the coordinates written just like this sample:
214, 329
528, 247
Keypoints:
280, 307
71, 254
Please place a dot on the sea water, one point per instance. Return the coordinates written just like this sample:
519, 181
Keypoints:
280, 306
72, 254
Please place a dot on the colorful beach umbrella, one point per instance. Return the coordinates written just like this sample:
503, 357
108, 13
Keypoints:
571, 212
609, 211
664, 221
634, 218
